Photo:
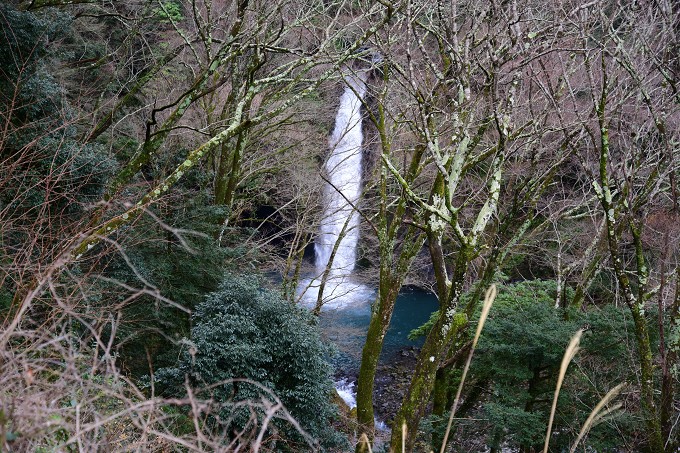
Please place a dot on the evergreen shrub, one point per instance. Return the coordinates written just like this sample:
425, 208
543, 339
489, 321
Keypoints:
242, 331
515, 366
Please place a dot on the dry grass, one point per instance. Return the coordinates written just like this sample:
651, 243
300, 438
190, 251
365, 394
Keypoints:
569, 354
60, 391
486, 307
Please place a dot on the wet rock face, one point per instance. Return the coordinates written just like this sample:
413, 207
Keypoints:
391, 383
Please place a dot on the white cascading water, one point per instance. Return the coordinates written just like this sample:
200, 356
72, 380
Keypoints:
344, 174
348, 393
340, 222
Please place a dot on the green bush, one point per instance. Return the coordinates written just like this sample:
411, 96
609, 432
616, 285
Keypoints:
242, 331
183, 268
170, 12
514, 370
519, 356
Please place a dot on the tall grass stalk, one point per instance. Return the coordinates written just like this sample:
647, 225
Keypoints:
596, 415
569, 354
364, 439
488, 301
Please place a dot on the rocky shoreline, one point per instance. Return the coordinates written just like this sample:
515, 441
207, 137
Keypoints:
391, 382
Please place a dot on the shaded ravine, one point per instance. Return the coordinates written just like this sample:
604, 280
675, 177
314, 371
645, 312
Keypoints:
345, 311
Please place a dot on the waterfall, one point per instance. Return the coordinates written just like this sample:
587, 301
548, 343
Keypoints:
339, 225
343, 169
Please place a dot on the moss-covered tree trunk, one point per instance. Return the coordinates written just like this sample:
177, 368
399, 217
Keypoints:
670, 363
450, 288
433, 352
398, 247
227, 177
634, 296
380, 322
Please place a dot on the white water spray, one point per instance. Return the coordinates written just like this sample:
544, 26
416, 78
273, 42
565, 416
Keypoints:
346, 391
339, 227
340, 221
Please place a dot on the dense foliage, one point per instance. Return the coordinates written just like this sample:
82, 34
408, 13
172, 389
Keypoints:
244, 335
518, 359
514, 371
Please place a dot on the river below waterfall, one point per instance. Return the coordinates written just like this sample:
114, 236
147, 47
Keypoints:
346, 327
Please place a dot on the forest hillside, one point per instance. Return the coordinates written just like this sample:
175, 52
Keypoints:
201, 200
